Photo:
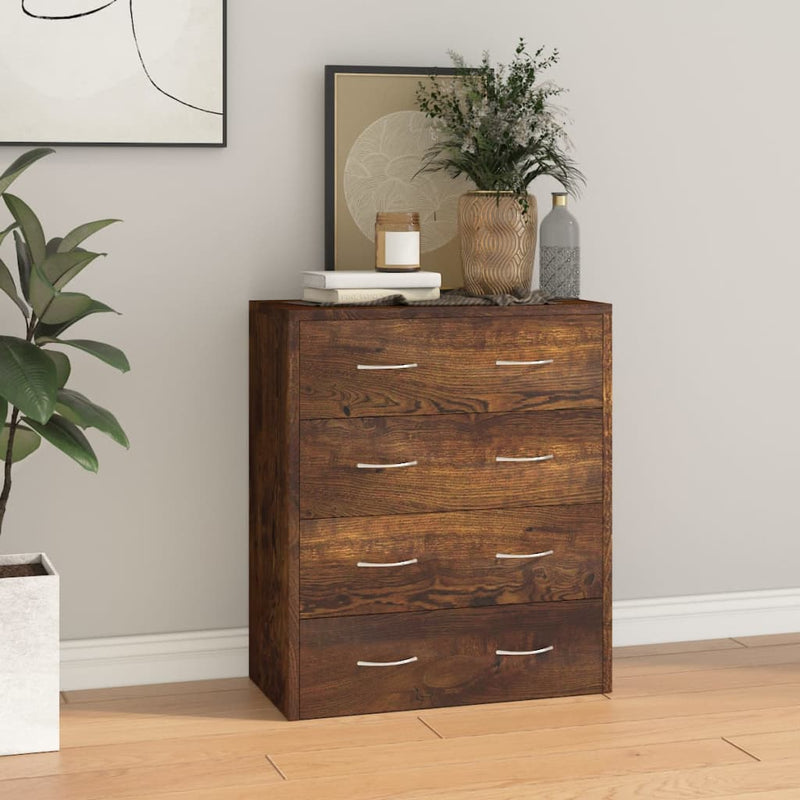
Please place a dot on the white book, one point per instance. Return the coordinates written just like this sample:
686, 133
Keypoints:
371, 279
366, 295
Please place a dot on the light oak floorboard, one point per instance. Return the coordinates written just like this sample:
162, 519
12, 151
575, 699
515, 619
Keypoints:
770, 746
156, 689
705, 680
145, 781
429, 782
352, 760
636, 650
681, 725
741, 781
772, 640
717, 659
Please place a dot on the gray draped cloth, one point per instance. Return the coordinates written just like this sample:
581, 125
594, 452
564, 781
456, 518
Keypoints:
459, 297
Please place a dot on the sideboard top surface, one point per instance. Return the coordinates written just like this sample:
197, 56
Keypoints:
302, 310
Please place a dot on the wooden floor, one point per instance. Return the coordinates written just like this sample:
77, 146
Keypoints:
714, 719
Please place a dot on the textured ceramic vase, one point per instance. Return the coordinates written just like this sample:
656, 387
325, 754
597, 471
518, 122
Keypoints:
498, 242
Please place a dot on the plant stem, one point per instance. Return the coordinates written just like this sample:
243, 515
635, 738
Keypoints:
12, 429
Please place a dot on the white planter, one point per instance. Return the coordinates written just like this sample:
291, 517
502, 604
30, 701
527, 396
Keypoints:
29, 659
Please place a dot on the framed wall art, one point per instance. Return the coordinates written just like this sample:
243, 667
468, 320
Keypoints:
375, 140
113, 72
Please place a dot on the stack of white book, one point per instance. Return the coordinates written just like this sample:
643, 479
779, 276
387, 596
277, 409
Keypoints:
363, 286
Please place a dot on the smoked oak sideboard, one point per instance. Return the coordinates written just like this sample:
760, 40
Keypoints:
430, 504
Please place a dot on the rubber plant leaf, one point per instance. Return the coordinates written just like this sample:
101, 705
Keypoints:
61, 268
69, 307
3, 410
46, 330
8, 230
42, 292
29, 225
21, 164
24, 264
68, 438
62, 365
25, 443
28, 378
9, 287
107, 353
81, 411
74, 238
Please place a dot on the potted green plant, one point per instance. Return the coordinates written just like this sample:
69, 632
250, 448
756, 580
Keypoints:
498, 126
37, 405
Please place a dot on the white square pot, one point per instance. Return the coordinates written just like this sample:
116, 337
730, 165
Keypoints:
29, 659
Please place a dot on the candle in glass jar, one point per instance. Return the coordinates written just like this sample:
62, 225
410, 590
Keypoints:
397, 241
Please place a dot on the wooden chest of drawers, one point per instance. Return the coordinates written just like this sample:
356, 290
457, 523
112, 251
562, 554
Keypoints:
430, 504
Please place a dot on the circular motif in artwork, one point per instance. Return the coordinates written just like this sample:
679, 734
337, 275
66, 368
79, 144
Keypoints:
379, 175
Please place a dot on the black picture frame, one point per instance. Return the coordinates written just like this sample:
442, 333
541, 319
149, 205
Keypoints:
335, 139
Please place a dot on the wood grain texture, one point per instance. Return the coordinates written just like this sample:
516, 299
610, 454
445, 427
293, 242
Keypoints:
456, 467
454, 417
660, 747
456, 369
607, 505
457, 663
457, 562
274, 536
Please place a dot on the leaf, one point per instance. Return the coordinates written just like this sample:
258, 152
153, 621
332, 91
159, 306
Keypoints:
83, 412
62, 365
21, 164
52, 245
29, 225
105, 352
8, 230
68, 438
25, 443
75, 237
53, 330
28, 378
61, 268
24, 264
69, 307
42, 292
3, 409
9, 287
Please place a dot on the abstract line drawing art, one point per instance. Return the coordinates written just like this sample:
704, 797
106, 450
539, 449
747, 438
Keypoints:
127, 72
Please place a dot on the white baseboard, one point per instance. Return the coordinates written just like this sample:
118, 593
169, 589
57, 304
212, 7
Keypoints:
203, 655
157, 658
706, 616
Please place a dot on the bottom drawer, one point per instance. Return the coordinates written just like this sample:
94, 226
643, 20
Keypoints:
391, 662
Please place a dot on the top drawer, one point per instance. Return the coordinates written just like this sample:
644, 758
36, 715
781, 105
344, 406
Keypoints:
360, 368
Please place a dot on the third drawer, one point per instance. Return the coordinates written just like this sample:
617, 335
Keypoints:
416, 562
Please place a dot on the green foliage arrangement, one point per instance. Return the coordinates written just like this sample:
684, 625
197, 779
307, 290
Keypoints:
33, 376
499, 125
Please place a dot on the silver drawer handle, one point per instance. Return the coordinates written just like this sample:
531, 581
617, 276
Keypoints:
389, 466
390, 564
386, 663
523, 652
386, 366
525, 555
523, 363
524, 458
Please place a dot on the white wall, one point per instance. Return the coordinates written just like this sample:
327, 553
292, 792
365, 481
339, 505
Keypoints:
686, 124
